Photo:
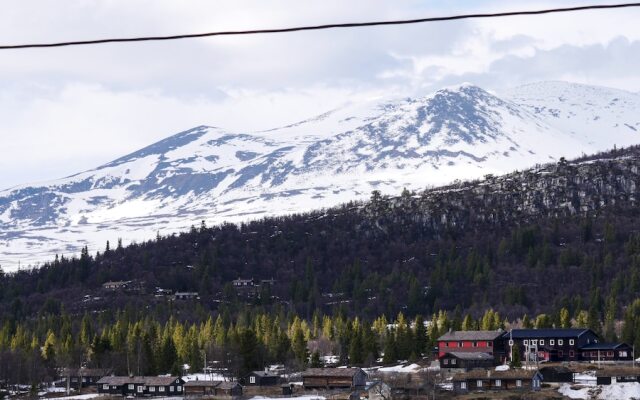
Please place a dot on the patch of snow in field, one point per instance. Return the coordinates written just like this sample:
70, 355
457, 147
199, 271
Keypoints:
79, 397
203, 377
401, 368
629, 390
291, 398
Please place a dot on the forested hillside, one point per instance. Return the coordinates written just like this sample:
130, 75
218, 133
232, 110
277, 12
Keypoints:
558, 243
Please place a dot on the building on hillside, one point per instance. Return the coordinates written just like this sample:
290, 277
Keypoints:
466, 360
141, 386
334, 378
243, 283
116, 285
473, 342
261, 378
377, 390
597, 352
550, 344
617, 375
518, 379
186, 296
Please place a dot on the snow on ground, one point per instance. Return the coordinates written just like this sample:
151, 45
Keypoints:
502, 368
401, 368
79, 397
614, 391
203, 377
290, 398
586, 378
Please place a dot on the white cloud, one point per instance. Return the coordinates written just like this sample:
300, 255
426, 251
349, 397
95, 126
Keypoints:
70, 109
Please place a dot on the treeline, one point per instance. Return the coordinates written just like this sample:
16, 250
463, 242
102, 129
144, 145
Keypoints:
136, 342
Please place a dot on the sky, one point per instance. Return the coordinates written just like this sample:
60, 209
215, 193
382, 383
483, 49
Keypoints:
67, 110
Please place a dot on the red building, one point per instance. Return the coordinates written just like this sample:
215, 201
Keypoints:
473, 341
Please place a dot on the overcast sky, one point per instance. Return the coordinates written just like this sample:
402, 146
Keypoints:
67, 110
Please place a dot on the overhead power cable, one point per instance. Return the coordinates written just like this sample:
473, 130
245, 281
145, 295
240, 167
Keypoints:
320, 27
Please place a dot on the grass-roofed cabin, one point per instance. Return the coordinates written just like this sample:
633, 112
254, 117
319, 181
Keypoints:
478, 380
334, 378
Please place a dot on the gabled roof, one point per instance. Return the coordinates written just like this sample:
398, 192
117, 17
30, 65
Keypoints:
333, 372
490, 374
469, 355
202, 383
114, 380
550, 333
604, 346
471, 335
144, 380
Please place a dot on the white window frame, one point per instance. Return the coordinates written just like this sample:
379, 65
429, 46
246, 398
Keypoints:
479, 383
453, 361
525, 342
446, 361
252, 379
171, 388
552, 342
463, 385
518, 382
105, 386
510, 342
140, 389
179, 388
541, 342
571, 342
498, 382
534, 342
152, 389
161, 389
560, 342
131, 386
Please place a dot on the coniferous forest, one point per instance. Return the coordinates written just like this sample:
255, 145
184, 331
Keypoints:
557, 245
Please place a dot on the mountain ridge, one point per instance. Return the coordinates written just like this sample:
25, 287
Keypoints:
207, 173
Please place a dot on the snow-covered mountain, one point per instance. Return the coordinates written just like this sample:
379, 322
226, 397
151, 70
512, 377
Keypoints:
210, 174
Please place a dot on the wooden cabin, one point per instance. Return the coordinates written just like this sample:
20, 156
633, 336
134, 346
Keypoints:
617, 375
466, 360
141, 386
334, 378
228, 389
200, 388
261, 378
477, 380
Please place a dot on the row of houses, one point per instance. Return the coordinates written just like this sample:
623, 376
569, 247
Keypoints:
481, 349
351, 379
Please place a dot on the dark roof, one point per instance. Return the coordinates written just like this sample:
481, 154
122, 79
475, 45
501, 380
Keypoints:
468, 355
546, 333
146, 380
338, 372
491, 374
603, 346
471, 335
228, 385
202, 383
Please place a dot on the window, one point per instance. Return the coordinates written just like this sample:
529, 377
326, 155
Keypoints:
609, 353
526, 342
179, 388
252, 379
446, 344
171, 388
622, 353
152, 388
105, 387
510, 342
534, 342
463, 385
541, 342
479, 383
571, 353
475, 344
498, 382
560, 353
552, 342
84, 379
453, 362
571, 342
459, 344
489, 344
140, 389
161, 389
518, 383
131, 387
445, 362
560, 342
114, 387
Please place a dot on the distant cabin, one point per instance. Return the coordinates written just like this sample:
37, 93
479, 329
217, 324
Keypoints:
116, 285
479, 380
186, 296
161, 386
83, 377
240, 283
466, 360
595, 352
261, 378
334, 378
